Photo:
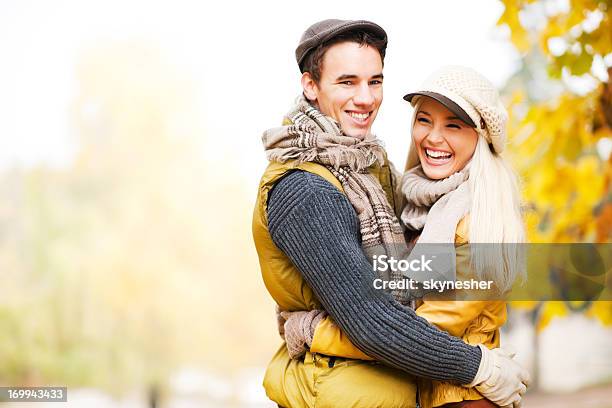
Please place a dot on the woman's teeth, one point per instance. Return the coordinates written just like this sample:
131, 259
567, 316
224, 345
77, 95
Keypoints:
438, 155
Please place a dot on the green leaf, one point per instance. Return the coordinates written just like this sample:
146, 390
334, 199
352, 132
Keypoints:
582, 64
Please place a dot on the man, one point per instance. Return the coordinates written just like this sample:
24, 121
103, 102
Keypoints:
323, 203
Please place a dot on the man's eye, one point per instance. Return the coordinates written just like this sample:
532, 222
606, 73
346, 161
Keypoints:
376, 82
347, 82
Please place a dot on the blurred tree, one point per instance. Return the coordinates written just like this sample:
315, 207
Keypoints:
137, 258
560, 125
562, 135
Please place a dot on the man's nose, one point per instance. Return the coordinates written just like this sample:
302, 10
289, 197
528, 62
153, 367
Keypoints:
364, 96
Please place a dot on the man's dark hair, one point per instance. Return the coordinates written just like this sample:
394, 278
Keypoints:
313, 62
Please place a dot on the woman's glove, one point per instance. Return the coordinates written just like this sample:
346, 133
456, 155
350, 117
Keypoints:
298, 329
500, 379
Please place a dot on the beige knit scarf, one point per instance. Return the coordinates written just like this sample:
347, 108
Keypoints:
311, 136
435, 207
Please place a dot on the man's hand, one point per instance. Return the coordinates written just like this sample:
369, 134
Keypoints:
298, 330
500, 379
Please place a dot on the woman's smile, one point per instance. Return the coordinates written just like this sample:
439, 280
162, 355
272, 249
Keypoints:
444, 143
436, 157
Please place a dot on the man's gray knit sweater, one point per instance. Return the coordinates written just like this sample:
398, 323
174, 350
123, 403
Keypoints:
315, 225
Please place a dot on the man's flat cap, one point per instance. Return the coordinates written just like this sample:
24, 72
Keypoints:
325, 30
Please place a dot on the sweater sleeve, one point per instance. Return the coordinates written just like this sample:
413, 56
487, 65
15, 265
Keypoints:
315, 225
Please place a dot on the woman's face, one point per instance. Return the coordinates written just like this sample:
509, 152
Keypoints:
444, 143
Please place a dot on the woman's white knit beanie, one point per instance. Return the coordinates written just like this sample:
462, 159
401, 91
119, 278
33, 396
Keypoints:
476, 95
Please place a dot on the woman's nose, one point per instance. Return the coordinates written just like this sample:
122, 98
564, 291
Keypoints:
435, 136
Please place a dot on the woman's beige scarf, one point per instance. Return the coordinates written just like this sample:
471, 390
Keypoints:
435, 207
433, 210
311, 136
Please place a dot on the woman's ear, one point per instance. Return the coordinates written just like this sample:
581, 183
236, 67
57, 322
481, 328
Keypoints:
309, 86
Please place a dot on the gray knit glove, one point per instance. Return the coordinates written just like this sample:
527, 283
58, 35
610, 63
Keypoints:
299, 328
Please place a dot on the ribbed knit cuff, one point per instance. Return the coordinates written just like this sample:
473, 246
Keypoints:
472, 361
318, 316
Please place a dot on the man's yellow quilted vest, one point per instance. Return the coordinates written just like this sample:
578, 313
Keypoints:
314, 381
283, 280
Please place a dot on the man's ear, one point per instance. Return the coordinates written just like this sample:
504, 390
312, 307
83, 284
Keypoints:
309, 86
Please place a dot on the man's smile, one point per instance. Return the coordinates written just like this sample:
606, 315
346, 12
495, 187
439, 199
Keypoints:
359, 117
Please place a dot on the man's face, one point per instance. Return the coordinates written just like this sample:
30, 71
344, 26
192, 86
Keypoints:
350, 88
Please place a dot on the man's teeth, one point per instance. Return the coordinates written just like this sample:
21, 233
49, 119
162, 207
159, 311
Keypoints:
359, 116
435, 154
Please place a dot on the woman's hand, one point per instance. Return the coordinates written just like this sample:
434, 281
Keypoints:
500, 378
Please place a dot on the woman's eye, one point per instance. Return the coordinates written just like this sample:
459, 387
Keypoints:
453, 126
423, 120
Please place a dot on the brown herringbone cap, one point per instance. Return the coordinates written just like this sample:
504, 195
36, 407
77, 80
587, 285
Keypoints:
325, 30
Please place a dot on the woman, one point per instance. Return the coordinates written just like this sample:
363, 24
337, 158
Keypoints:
457, 189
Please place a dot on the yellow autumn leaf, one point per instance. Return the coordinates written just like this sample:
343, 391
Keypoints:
524, 304
602, 311
590, 182
518, 35
551, 310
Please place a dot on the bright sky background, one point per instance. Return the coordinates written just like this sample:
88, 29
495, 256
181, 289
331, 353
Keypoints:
240, 56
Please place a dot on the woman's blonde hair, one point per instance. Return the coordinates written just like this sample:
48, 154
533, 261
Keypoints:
495, 214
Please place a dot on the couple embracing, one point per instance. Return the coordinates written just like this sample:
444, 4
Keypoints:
329, 196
